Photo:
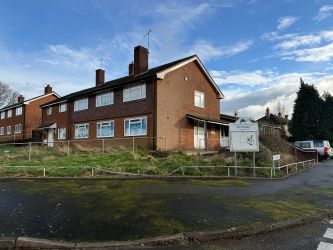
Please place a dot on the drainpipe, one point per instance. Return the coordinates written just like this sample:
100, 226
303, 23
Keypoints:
205, 133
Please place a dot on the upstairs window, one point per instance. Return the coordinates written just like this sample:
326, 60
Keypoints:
2, 130
199, 99
134, 93
18, 128
136, 126
2, 115
9, 130
105, 129
81, 104
9, 113
81, 131
104, 99
63, 107
49, 110
18, 111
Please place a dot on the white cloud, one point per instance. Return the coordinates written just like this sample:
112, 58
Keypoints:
324, 12
285, 22
207, 51
271, 87
316, 47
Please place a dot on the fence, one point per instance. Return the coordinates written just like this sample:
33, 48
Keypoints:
270, 171
87, 171
36, 150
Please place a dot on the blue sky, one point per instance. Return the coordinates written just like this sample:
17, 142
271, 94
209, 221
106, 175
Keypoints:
256, 50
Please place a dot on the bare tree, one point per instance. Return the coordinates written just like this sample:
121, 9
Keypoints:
280, 107
7, 95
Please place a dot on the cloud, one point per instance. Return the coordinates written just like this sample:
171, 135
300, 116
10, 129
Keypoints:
317, 47
207, 51
267, 88
324, 12
285, 22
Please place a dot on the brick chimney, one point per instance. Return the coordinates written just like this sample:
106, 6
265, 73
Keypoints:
47, 89
100, 76
279, 114
286, 116
268, 112
130, 69
140, 60
20, 98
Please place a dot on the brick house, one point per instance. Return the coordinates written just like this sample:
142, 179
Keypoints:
274, 124
178, 101
20, 121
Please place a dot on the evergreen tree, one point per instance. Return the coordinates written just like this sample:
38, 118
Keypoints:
326, 121
306, 120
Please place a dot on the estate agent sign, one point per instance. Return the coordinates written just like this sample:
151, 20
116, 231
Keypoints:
244, 136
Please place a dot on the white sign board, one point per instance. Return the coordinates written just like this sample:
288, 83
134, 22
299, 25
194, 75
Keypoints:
276, 157
244, 136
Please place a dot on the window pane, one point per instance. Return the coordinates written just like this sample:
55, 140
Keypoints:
127, 127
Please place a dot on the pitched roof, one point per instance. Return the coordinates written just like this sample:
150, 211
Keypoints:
27, 101
227, 118
273, 119
130, 79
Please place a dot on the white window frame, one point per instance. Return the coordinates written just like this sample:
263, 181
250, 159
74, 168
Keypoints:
62, 131
9, 113
9, 130
49, 110
63, 107
18, 129
76, 104
81, 125
127, 92
19, 111
102, 123
2, 130
200, 103
130, 120
2, 115
104, 94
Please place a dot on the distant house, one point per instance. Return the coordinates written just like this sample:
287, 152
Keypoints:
178, 101
20, 121
274, 124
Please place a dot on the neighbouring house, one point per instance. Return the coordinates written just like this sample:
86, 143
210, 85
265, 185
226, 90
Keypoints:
173, 106
274, 124
20, 121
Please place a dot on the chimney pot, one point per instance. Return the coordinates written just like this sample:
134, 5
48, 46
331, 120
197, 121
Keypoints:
140, 59
286, 116
268, 113
47, 89
20, 98
100, 76
279, 114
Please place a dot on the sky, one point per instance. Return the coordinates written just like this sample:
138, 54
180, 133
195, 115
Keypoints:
256, 50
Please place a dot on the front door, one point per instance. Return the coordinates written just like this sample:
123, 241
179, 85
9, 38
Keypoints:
199, 135
50, 137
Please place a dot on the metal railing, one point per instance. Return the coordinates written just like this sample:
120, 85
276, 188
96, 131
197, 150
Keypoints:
235, 169
68, 147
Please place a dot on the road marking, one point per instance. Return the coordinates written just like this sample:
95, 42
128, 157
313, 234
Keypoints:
329, 233
325, 246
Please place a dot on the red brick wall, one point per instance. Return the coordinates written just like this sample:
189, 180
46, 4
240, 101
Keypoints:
14, 120
175, 98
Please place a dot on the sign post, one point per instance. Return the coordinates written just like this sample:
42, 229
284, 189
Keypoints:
244, 137
276, 158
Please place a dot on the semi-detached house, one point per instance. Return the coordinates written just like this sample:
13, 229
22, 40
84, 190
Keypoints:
20, 121
178, 101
